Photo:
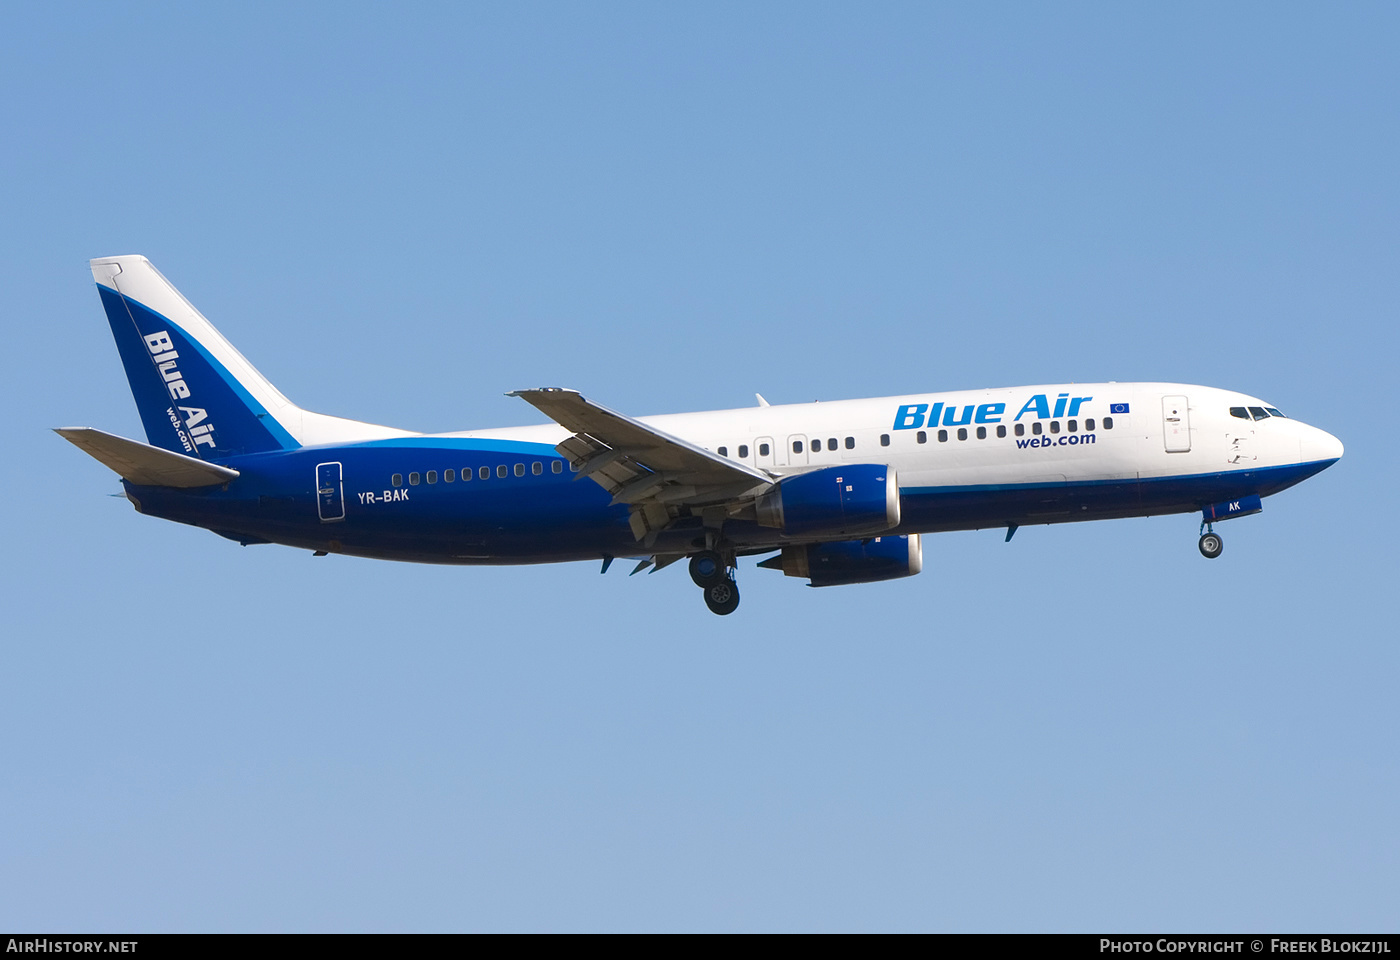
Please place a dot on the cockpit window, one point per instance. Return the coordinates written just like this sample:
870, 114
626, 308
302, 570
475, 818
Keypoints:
1240, 412
1273, 412
1259, 413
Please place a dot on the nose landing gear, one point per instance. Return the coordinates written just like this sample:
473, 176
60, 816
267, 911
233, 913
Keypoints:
1210, 544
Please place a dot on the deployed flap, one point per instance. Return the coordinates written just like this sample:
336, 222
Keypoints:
641, 465
143, 464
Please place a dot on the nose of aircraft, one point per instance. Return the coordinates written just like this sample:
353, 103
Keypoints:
1319, 445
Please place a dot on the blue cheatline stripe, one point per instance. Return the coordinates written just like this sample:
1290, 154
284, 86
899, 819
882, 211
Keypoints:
523, 447
1271, 474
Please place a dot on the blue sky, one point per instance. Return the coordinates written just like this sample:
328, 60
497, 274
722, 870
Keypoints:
399, 215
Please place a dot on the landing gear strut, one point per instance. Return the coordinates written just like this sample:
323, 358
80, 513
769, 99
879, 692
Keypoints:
713, 574
1210, 544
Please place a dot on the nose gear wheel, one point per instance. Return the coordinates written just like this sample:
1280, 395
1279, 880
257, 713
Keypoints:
1211, 545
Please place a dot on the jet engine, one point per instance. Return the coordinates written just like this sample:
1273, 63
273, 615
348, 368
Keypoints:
845, 500
851, 561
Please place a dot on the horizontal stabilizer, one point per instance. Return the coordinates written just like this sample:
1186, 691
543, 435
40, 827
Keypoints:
143, 464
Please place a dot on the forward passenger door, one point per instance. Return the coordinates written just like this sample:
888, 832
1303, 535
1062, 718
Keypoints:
1176, 424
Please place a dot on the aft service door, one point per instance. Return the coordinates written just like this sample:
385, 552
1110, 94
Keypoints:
1176, 424
330, 496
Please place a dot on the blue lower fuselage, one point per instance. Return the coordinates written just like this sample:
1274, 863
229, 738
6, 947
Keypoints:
548, 516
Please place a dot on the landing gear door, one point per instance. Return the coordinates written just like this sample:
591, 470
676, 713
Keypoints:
1176, 424
330, 495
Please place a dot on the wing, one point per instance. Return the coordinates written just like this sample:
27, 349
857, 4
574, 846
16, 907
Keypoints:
659, 475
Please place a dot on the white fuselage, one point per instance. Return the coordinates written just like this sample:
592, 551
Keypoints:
1208, 439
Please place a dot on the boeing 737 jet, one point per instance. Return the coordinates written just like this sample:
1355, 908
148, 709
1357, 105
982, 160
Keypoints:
837, 492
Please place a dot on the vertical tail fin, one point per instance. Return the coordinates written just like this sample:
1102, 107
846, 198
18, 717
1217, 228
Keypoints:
197, 395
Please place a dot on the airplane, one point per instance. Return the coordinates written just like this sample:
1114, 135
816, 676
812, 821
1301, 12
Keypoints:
837, 492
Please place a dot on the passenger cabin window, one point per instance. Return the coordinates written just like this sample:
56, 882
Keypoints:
449, 475
831, 443
414, 479
397, 479
921, 436
1089, 424
962, 433
432, 476
1108, 423
981, 433
467, 474
520, 469
1020, 429
1036, 428
797, 446
1001, 430
1074, 426
723, 451
943, 436
850, 443
557, 466
1054, 426
743, 451
763, 449
1259, 413
1239, 412
884, 439
501, 471
537, 468
816, 446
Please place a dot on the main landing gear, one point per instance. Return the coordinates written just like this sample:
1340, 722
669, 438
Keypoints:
714, 575
1210, 544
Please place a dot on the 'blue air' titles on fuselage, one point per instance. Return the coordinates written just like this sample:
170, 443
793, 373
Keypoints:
911, 416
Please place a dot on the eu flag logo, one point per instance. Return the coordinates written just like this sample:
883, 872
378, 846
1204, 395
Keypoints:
1117, 408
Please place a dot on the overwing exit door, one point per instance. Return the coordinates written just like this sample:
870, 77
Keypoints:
1176, 424
330, 495
797, 449
763, 452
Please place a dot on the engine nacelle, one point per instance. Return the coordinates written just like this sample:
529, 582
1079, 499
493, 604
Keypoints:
852, 561
834, 501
